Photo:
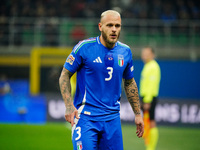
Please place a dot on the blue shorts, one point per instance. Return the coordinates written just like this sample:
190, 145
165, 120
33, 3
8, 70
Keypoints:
97, 135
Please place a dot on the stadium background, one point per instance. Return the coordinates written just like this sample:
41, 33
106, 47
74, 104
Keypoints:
36, 37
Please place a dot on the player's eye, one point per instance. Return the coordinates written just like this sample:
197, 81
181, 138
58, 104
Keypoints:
117, 25
109, 25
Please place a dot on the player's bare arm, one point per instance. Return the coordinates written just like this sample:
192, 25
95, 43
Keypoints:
132, 95
65, 88
131, 90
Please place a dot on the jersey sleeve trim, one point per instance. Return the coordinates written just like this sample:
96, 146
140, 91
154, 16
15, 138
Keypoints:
123, 45
81, 43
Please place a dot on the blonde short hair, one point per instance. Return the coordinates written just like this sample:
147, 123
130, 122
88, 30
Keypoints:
110, 12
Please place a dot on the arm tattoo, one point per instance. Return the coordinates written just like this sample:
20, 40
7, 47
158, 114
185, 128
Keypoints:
65, 88
131, 91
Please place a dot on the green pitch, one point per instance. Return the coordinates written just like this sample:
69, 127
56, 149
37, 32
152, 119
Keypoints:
58, 137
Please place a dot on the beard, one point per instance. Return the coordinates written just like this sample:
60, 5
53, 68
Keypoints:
107, 40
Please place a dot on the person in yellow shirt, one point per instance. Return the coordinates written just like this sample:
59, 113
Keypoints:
149, 89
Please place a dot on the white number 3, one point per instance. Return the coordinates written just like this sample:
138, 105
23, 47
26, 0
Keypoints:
78, 132
110, 71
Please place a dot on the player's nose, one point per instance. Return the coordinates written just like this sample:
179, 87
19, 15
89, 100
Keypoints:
114, 29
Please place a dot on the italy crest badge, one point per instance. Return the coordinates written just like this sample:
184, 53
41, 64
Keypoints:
120, 60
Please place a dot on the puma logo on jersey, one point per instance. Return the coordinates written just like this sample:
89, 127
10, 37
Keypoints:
97, 60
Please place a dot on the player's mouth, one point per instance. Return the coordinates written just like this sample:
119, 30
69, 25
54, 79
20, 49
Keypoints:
113, 36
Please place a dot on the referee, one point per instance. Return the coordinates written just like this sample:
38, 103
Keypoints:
149, 89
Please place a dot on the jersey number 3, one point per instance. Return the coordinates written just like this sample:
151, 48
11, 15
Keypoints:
110, 71
78, 132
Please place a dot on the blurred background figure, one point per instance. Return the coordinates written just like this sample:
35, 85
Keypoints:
4, 85
51, 33
78, 33
149, 89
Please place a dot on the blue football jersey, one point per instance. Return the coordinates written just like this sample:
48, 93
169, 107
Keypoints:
99, 76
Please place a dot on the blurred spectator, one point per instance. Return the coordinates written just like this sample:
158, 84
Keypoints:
78, 33
139, 8
64, 6
51, 33
51, 12
183, 15
78, 9
3, 30
182, 10
168, 15
194, 9
128, 7
3, 41
14, 11
143, 13
27, 34
27, 11
40, 9
156, 9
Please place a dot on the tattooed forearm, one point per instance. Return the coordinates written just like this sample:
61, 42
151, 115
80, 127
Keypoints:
132, 95
65, 88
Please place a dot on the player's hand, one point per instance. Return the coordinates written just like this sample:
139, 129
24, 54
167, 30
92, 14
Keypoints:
146, 106
139, 125
70, 113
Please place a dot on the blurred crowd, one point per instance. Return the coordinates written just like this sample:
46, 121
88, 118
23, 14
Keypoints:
22, 32
161, 9
145, 9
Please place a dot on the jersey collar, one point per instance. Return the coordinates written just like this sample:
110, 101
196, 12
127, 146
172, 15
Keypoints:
98, 41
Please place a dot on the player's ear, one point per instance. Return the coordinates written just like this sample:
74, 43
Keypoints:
100, 25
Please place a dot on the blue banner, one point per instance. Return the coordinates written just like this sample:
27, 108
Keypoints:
179, 79
22, 109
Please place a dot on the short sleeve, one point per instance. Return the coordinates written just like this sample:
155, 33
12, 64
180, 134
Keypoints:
74, 60
128, 72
